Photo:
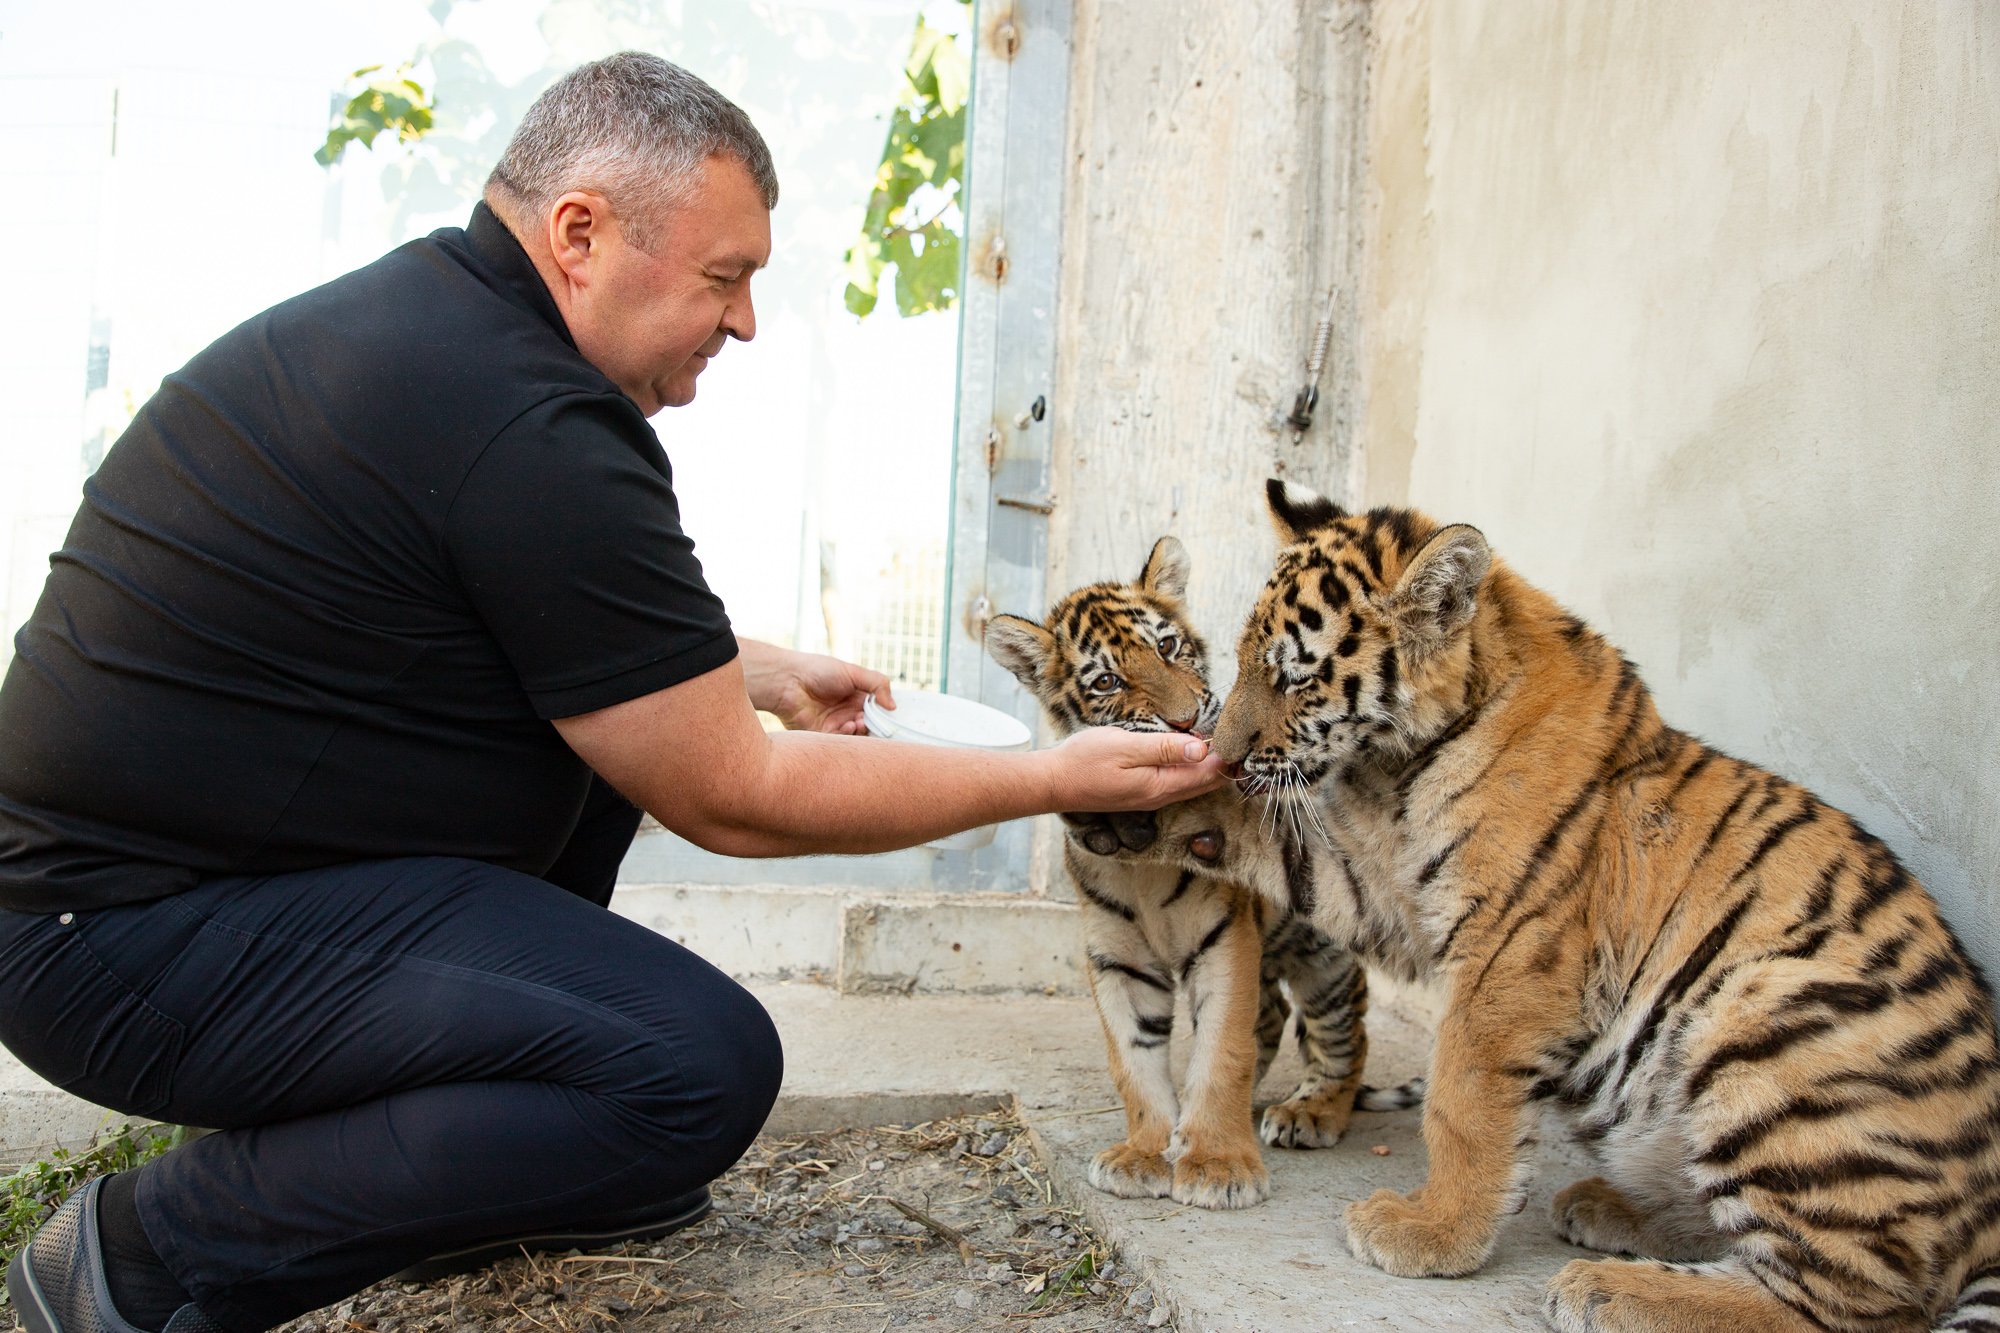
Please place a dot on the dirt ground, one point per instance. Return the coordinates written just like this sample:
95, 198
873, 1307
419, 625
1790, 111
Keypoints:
806, 1235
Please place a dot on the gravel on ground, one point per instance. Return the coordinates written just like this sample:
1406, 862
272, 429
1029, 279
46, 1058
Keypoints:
808, 1236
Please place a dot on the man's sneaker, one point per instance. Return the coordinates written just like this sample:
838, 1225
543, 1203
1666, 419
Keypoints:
669, 1217
56, 1283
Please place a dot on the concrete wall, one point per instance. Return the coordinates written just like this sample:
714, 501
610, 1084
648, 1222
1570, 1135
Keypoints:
1211, 205
863, 942
1695, 309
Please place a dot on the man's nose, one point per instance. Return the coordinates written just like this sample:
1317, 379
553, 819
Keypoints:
740, 320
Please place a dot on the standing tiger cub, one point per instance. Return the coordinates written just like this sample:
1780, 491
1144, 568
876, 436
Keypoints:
1125, 655
1736, 999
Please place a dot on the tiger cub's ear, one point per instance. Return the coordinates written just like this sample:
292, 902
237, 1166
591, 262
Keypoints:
1297, 512
1022, 646
1439, 592
1166, 571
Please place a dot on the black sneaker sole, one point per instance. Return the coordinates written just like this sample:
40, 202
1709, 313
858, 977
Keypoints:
25, 1295
453, 1263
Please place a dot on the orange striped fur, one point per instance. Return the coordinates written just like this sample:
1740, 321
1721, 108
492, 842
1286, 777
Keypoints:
1726, 990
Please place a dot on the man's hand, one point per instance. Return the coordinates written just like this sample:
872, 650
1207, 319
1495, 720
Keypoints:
1112, 769
809, 691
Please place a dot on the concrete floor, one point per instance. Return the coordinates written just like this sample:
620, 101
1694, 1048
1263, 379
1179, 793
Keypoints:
1282, 1267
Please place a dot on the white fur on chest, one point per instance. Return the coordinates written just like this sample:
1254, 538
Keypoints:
1171, 924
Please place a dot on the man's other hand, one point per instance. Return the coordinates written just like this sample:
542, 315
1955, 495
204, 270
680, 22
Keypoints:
810, 691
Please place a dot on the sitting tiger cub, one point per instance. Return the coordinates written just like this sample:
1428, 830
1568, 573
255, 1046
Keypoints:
1738, 1001
1124, 654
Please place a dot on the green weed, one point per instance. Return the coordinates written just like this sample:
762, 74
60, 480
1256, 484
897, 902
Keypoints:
29, 1195
1069, 1280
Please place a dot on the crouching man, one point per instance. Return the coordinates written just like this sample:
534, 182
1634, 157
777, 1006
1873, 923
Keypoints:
372, 638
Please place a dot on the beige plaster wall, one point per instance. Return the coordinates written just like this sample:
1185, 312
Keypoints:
1695, 309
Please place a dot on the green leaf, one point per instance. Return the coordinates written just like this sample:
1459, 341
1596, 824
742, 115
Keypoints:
392, 103
937, 70
30, 1195
928, 281
1066, 1281
925, 145
941, 142
954, 76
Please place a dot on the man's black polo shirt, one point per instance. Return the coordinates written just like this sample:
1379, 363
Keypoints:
324, 594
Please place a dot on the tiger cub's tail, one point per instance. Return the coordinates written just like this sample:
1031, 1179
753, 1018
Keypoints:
1403, 1098
1977, 1309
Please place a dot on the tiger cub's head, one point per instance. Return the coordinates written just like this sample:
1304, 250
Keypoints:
1359, 643
1115, 654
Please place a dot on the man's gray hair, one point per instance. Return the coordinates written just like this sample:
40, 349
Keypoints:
633, 128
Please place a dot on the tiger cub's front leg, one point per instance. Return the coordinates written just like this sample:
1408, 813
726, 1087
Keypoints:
1217, 1162
1135, 1002
1477, 1123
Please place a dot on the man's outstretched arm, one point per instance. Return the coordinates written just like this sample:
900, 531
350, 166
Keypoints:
695, 758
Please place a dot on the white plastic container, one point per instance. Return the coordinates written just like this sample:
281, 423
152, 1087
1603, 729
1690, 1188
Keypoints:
925, 717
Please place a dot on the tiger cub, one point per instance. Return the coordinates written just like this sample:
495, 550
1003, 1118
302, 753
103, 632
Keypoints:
1734, 997
1124, 654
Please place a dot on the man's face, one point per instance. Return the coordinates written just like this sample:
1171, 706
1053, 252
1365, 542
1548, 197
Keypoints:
652, 321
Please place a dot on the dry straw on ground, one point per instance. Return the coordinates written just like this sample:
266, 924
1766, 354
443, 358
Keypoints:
948, 1226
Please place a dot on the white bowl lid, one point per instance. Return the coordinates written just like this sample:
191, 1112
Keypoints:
945, 719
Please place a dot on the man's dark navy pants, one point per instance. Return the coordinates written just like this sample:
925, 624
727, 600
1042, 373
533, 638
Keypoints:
405, 1056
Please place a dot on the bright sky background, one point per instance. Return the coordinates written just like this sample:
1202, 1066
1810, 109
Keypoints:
212, 209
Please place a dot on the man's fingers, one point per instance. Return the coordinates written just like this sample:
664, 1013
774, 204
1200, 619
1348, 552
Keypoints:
1208, 774
875, 683
846, 720
1187, 781
1178, 749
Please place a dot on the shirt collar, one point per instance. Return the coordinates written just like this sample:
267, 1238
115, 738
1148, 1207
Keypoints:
496, 248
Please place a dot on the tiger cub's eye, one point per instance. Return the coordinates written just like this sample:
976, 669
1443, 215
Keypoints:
1170, 647
1106, 683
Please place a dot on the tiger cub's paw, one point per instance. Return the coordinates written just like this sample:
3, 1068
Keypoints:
1130, 1174
1394, 1233
1593, 1214
1231, 1178
1306, 1122
1642, 1296
1573, 1294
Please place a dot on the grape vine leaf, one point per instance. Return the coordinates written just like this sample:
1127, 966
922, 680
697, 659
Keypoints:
925, 146
385, 103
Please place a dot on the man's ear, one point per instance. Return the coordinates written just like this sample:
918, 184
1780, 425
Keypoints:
577, 227
1296, 512
1166, 571
1022, 646
1439, 592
